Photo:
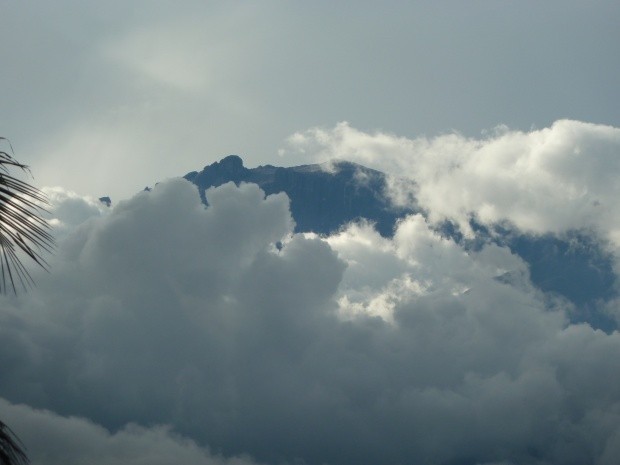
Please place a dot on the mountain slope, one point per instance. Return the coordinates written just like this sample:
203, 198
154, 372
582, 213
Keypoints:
324, 198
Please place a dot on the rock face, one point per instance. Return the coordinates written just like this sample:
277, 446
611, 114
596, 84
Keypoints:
323, 198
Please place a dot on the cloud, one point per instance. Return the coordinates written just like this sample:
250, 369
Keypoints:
550, 194
348, 349
136, 93
54, 440
67, 210
190, 51
124, 91
554, 179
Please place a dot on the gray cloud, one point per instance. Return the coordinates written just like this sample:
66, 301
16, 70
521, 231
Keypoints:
135, 93
349, 349
56, 440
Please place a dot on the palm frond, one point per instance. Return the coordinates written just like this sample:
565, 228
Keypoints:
23, 231
11, 449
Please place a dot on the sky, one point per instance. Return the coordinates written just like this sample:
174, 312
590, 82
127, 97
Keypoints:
107, 98
170, 332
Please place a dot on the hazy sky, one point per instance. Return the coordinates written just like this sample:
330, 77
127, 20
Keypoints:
169, 332
107, 97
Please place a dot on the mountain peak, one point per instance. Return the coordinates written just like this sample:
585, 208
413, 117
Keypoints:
322, 197
229, 168
232, 163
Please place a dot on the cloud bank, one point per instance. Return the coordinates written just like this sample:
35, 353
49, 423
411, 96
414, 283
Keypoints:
246, 340
55, 440
550, 180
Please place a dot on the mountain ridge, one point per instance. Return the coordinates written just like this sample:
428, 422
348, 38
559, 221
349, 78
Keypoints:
326, 197
323, 197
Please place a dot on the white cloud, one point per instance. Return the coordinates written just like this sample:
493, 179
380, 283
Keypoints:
548, 180
67, 210
162, 89
165, 312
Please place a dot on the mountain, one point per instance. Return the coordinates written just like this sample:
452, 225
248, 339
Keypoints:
326, 197
323, 198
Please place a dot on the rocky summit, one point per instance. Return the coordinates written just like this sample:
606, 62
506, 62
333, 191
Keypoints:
323, 197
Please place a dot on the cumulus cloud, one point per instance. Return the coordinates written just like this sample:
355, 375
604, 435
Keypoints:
55, 440
67, 210
552, 190
353, 349
550, 180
